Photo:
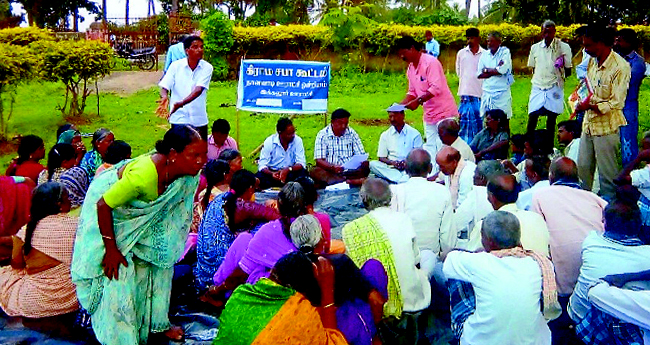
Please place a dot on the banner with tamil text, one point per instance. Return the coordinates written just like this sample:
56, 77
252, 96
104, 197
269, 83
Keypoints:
279, 86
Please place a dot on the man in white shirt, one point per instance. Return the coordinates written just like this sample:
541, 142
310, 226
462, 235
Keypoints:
551, 60
188, 80
394, 144
428, 204
536, 170
388, 236
507, 284
458, 174
476, 206
469, 86
448, 130
618, 250
495, 69
568, 134
502, 194
282, 158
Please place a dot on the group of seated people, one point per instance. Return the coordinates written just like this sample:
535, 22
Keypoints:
514, 248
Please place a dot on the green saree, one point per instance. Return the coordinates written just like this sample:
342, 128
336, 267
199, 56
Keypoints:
151, 236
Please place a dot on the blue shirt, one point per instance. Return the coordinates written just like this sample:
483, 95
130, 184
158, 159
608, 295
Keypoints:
637, 65
175, 52
488, 60
274, 156
432, 47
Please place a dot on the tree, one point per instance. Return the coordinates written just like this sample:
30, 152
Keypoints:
48, 13
77, 64
16, 66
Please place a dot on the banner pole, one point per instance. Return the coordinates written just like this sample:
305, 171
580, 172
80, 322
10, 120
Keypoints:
237, 125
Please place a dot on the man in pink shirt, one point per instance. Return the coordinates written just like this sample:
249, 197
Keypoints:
220, 141
428, 88
571, 213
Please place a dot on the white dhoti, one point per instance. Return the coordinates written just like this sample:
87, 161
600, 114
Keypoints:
432, 145
496, 100
550, 99
388, 172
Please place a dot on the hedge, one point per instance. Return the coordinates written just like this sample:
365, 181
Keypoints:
24, 36
380, 38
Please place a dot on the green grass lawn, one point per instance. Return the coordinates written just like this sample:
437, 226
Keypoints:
364, 95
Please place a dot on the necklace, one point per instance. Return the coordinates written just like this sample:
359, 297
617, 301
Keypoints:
166, 184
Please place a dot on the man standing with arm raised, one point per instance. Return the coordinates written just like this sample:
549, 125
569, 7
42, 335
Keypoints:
428, 88
187, 79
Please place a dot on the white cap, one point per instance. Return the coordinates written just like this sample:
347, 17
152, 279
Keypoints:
396, 108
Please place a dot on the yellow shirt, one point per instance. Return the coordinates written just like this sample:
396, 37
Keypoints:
542, 59
139, 181
609, 83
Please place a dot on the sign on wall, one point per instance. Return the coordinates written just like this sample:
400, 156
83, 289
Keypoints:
277, 86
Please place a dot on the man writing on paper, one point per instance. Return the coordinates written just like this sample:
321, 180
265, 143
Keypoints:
336, 145
187, 79
394, 145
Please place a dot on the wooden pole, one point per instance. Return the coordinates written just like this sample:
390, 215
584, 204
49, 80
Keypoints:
237, 126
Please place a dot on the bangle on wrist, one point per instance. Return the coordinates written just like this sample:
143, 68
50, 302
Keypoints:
108, 238
329, 305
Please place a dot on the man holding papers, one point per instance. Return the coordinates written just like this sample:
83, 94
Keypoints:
339, 153
394, 145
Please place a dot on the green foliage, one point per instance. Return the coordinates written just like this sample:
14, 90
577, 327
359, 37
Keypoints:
76, 64
218, 35
49, 13
348, 25
24, 36
16, 66
443, 16
218, 40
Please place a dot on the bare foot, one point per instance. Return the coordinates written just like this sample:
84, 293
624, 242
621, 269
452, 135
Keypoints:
176, 333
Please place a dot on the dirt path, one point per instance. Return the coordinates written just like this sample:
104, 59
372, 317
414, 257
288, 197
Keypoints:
128, 82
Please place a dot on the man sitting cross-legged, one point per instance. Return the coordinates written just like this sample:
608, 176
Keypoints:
394, 144
335, 145
448, 130
495, 295
282, 158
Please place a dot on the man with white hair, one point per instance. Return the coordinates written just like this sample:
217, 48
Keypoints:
551, 60
388, 236
427, 203
495, 295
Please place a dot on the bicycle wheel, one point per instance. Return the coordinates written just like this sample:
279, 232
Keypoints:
147, 62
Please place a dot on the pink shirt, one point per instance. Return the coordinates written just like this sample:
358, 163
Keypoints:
466, 67
429, 76
570, 214
214, 151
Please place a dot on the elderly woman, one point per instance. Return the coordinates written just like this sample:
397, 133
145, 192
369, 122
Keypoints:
132, 230
102, 139
294, 306
67, 134
228, 215
38, 282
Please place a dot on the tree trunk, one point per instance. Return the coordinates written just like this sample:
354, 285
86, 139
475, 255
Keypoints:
174, 6
75, 18
479, 9
126, 18
104, 12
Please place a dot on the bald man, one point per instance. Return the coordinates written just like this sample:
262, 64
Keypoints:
571, 213
502, 194
457, 174
428, 204
448, 130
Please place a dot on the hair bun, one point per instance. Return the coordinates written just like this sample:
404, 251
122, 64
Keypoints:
306, 249
162, 147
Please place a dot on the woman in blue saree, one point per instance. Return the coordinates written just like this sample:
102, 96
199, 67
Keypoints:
132, 230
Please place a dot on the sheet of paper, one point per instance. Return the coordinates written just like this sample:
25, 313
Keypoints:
355, 162
338, 186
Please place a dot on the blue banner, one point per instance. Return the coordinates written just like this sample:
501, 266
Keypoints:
277, 86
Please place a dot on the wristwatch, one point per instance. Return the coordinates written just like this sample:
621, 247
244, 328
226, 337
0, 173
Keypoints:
420, 100
485, 70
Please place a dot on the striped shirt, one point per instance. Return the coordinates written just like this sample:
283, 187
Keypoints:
337, 150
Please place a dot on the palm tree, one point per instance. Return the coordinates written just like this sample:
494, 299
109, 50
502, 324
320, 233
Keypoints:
126, 20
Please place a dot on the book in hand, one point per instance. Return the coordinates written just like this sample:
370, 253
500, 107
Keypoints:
581, 94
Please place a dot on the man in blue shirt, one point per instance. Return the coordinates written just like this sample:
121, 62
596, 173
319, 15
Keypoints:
625, 45
175, 52
432, 46
282, 158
